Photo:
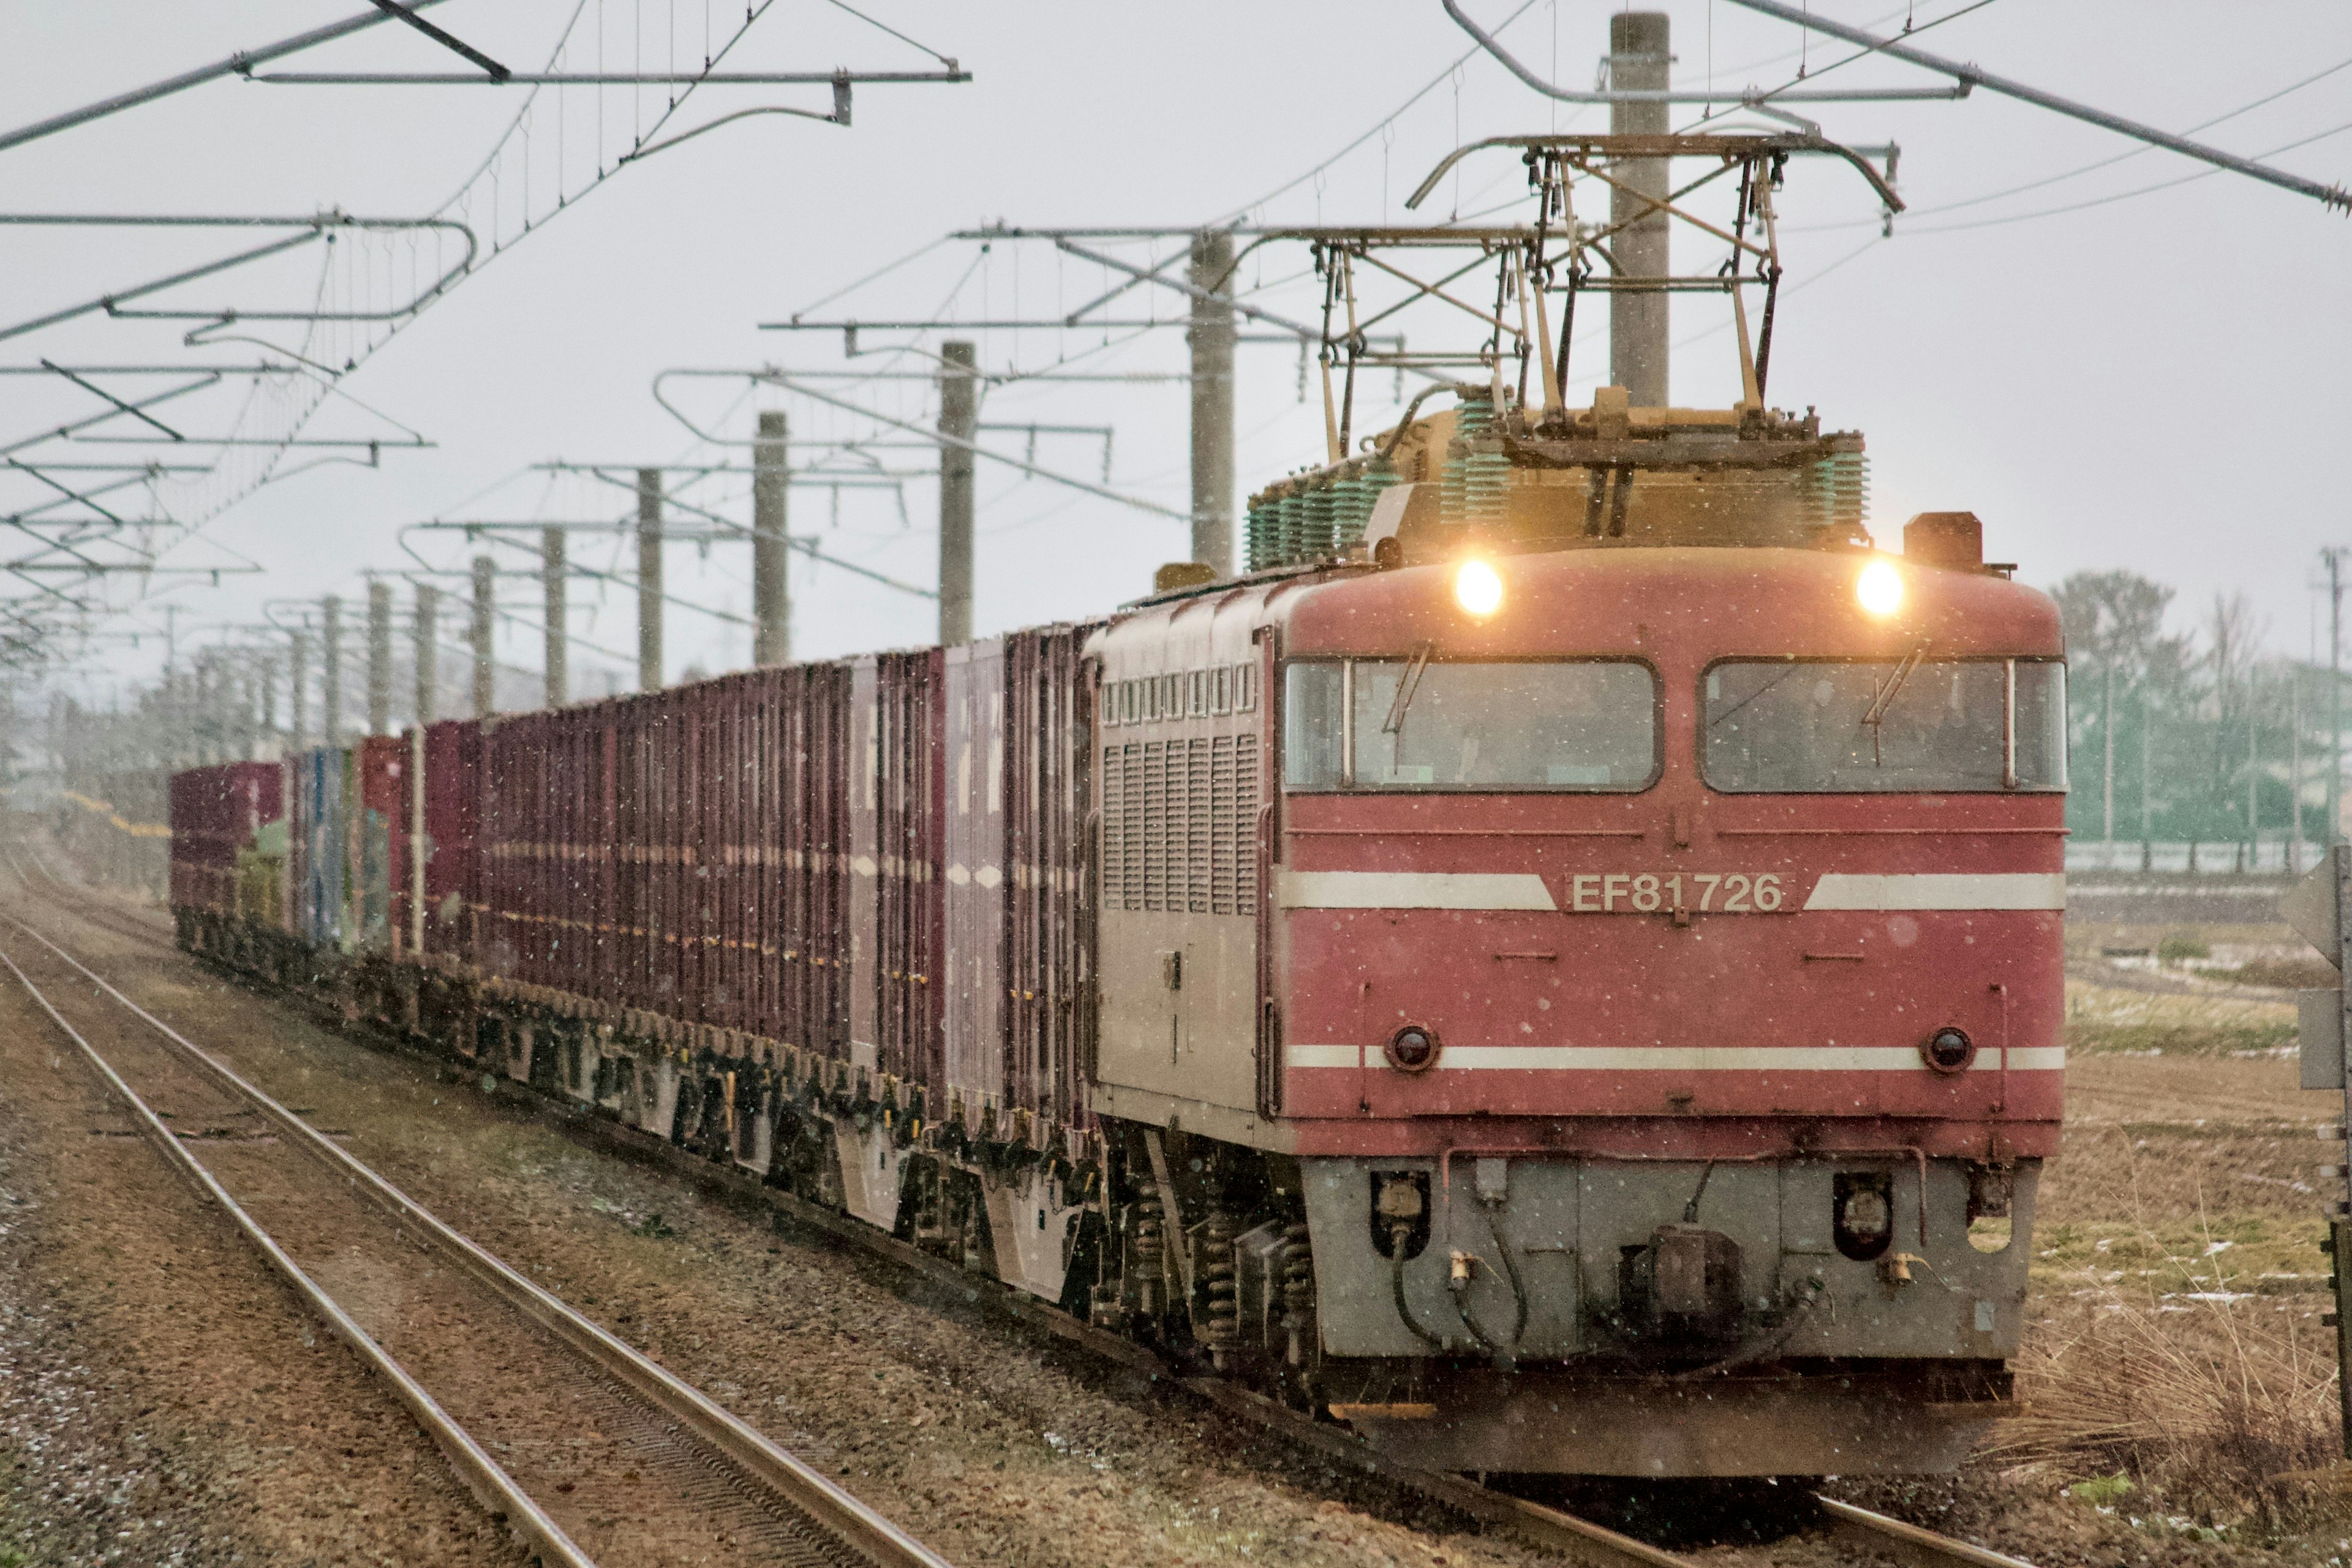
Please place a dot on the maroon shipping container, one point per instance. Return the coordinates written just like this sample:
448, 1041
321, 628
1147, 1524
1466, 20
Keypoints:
1015, 717
1048, 798
216, 812
452, 781
898, 917
812, 847
853, 859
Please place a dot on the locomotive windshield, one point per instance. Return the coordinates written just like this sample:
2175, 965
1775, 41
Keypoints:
1916, 725
1420, 723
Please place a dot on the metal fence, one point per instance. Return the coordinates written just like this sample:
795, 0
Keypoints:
2212, 859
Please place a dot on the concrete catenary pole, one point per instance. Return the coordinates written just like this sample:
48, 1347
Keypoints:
379, 667
649, 580
330, 671
297, 682
551, 569
959, 419
1212, 339
772, 587
428, 612
270, 736
201, 707
426, 652
485, 638
1640, 59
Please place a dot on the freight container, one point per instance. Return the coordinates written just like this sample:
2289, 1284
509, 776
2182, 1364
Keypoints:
216, 812
318, 848
451, 819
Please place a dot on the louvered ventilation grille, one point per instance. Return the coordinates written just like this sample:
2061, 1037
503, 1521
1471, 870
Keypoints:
1180, 825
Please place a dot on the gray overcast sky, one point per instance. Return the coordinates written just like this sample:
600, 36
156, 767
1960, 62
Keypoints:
2156, 379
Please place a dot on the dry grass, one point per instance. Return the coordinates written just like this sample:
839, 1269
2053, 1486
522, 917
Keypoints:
2110, 1019
2176, 1340
2218, 1416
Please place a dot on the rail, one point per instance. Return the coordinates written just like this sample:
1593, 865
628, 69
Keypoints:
863, 1535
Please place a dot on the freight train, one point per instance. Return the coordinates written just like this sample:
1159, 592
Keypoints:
1557, 965
1555, 998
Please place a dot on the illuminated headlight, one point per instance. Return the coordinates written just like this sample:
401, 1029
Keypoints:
1880, 589
1477, 589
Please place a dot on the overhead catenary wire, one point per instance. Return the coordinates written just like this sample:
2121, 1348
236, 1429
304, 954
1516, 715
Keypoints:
2331, 197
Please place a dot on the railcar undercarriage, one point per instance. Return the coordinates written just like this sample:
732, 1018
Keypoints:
1528, 1312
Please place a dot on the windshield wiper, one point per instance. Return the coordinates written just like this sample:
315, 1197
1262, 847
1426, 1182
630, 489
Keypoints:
1884, 698
1394, 724
1752, 696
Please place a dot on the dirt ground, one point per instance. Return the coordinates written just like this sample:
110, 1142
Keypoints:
992, 1445
999, 1446
163, 1399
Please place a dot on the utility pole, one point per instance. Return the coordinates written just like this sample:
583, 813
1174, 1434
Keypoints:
1211, 340
485, 576
330, 669
428, 613
649, 580
959, 421
298, 735
269, 736
550, 552
1640, 60
379, 668
201, 671
772, 587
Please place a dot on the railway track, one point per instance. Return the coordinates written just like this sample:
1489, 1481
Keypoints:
1873, 1536
587, 1450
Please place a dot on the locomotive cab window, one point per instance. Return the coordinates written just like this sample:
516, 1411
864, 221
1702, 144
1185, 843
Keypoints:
1423, 723
1912, 726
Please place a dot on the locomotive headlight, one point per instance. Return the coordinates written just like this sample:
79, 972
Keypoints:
1477, 588
1880, 589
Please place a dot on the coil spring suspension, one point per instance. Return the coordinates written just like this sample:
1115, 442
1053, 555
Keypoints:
1151, 1250
1298, 1294
1220, 1317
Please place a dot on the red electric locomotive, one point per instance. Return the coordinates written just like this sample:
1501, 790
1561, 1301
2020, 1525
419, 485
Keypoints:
1558, 966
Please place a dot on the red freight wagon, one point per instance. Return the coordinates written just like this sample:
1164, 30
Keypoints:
451, 820
215, 813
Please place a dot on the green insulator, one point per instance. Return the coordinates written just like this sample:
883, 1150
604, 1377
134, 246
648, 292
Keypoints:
1485, 480
1315, 534
1474, 418
1291, 532
1264, 536
1363, 494
1837, 491
1351, 507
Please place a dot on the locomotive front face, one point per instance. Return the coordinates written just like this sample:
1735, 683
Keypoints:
1663, 957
